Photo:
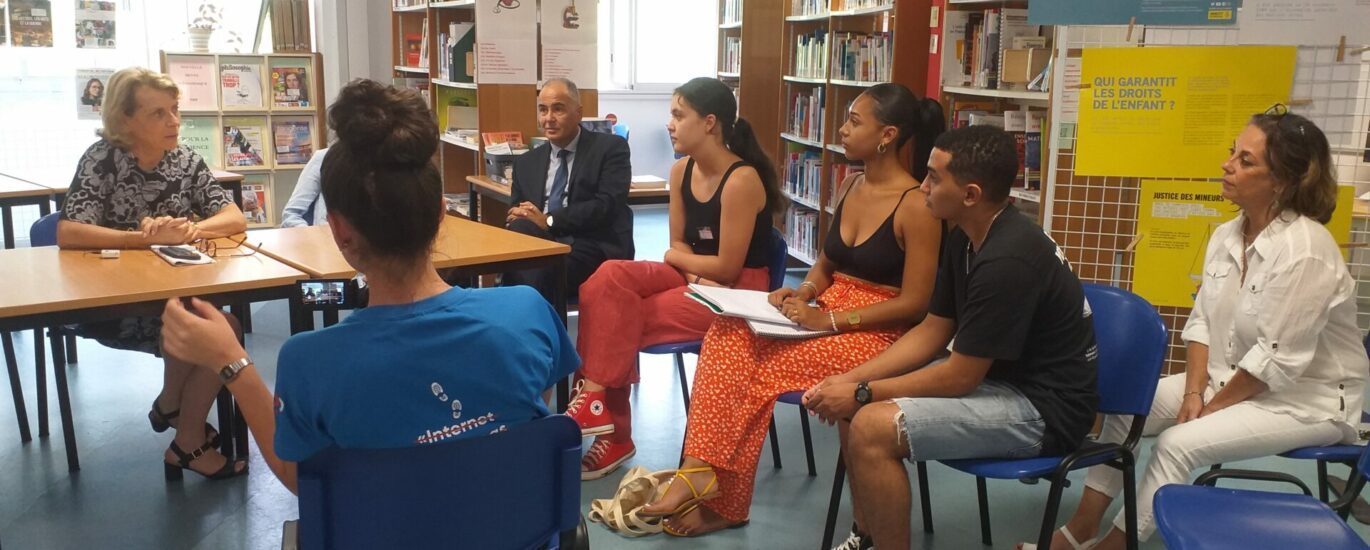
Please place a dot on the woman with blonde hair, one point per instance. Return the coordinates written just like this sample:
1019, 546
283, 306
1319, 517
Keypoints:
137, 187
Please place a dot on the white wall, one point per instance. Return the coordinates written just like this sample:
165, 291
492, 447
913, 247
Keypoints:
645, 114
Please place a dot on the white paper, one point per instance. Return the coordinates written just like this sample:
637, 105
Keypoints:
1070, 91
569, 34
747, 304
506, 42
785, 332
1304, 22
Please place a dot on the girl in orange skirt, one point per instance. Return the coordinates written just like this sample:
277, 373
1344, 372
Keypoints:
872, 282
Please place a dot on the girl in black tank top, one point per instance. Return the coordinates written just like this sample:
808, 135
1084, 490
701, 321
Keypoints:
703, 220
878, 259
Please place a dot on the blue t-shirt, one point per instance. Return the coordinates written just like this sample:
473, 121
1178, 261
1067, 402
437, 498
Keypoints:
462, 363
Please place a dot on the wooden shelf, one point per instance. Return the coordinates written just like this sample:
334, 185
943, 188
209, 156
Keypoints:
810, 17
804, 80
732, 25
802, 141
722, 74
854, 83
453, 4
1005, 94
836, 149
864, 11
450, 84
801, 256
801, 201
410, 9
449, 138
415, 70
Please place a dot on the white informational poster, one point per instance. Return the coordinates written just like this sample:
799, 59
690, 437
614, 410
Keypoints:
1070, 91
507, 42
1304, 22
196, 77
569, 36
90, 92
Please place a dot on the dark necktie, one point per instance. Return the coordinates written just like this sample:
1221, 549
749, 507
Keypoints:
554, 200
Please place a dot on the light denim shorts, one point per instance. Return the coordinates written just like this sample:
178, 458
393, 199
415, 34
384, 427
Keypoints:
994, 421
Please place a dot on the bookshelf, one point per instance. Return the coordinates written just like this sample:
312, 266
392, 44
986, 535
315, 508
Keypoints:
819, 83
259, 115
746, 35
458, 101
985, 72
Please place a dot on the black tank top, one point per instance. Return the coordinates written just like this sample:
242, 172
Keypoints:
878, 259
702, 221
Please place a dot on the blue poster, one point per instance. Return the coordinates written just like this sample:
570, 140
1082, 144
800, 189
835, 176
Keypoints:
1121, 12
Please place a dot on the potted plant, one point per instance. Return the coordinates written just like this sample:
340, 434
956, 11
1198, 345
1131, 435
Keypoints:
209, 19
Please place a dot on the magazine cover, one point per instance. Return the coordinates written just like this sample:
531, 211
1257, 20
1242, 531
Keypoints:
257, 200
201, 134
195, 76
31, 23
289, 87
240, 85
94, 23
90, 92
294, 140
243, 142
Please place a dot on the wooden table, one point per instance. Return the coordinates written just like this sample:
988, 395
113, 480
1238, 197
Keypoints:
17, 192
462, 248
500, 192
46, 287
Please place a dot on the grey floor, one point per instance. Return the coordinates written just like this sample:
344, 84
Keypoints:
119, 499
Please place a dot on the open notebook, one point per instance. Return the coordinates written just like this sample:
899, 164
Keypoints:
753, 306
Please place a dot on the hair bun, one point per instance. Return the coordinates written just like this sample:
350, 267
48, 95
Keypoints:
390, 125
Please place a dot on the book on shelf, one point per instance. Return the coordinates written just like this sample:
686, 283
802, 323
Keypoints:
801, 230
512, 139
294, 139
413, 49
808, 7
1015, 123
732, 55
811, 54
1032, 149
201, 134
863, 57
423, 44
962, 109
847, 5
732, 11
803, 174
806, 114
257, 201
456, 62
240, 84
243, 141
289, 85
982, 36
840, 172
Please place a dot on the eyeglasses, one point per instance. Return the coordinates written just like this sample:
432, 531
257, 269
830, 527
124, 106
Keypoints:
1278, 109
209, 247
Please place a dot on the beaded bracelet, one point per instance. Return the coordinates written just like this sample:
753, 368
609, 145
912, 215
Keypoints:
833, 319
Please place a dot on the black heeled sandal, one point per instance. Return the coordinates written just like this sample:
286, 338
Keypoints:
174, 472
161, 422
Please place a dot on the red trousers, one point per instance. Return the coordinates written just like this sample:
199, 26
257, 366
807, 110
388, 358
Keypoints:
629, 305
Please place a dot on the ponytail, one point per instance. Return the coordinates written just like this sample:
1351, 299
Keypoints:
930, 123
919, 119
709, 96
742, 142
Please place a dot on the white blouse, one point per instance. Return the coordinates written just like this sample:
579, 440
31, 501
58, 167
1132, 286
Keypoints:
1292, 324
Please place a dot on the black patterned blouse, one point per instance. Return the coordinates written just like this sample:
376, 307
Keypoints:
110, 190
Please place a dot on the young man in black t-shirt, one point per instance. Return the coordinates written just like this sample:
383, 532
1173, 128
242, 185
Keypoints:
1020, 381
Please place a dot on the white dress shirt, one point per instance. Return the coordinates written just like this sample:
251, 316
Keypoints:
1291, 324
308, 191
555, 164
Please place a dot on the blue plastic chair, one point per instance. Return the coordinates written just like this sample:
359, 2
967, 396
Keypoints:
621, 130
518, 489
1205, 516
1132, 342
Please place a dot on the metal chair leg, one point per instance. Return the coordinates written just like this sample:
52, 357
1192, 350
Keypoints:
224, 403
64, 404
40, 371
71, 349
684, 381
16, 389
984, 511
1322, 480
925, 496
808, 440
775, 445
839, 474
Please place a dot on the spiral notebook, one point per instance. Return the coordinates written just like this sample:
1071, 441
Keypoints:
754, 307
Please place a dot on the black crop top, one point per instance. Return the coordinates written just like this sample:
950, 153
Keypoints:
702, 221
878, 259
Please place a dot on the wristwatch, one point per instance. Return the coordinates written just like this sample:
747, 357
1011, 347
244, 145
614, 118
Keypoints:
853, 320
863, 393
231, 370
549, 220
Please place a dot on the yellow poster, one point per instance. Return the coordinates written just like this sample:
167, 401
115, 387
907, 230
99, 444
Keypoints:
1174, 222
1169, 112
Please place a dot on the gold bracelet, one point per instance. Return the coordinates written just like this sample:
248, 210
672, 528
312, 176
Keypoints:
810, 285
1189, 393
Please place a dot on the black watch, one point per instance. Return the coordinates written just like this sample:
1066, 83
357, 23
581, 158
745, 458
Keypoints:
863, 393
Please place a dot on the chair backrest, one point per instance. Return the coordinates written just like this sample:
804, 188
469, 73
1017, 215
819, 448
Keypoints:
621, 130
1132, 343
780, 252
515, 489
44, 231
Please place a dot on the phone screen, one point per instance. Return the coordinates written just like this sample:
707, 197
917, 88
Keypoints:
328, 294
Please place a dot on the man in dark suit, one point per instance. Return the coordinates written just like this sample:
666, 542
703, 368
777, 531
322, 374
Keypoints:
572, 189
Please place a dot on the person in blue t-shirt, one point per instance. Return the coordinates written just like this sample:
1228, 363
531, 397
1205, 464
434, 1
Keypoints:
425, 362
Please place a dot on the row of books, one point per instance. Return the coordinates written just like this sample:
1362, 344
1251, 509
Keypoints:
979, 38
808, 7
865, 57
846, 5
732, 11
416, 47
409, 3
456, 59
421, 85
811, 54
1024, 125
806, 114
290, 26
240, 82
801, 231
732, 55
803, 174
840, 172
250, 141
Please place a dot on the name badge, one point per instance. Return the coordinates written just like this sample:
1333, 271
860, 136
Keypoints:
706, 234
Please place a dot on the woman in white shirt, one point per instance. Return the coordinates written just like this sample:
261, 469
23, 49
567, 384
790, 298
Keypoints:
1275, 360
308, 193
